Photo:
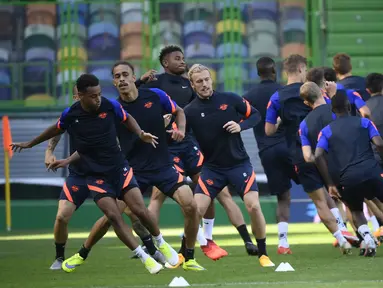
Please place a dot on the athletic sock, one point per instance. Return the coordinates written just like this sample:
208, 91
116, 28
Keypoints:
341, 240
283, 227
261, 243
60, 248
140, 253
149, 244
242, 230
374, 223
367, 236
189, 254
201, 237
183, 247
208, 225
84, 252
159, 240
339, 220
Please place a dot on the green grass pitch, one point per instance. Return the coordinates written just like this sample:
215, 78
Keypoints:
25, 261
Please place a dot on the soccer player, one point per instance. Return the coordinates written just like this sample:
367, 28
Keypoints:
188, 158
288, 104
374, 86
74, 193
309, 129
152, 165
356, 100
91, 121
214, 119
343, 68
347, 141
273, 152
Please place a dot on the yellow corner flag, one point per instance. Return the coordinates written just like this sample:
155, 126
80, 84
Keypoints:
8, 153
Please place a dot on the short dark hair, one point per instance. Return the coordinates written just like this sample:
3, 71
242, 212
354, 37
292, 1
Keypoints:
339, 102
265, 67
85, 81
342, 63
167, 50
122, 62
374, 82
291, 63
329, 74
315, 75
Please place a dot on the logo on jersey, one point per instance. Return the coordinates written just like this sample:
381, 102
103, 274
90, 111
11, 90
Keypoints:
195, 148
102, 115
148, 105
209, 182
75, 188
184, 87
99, 181
202, 114
223, 107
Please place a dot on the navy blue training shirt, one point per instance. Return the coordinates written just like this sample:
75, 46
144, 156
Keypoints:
147, 110
347, 141
259, 98
75, 168
179, 90
356, 83
287, 104
206, 118
313, 124
95, 135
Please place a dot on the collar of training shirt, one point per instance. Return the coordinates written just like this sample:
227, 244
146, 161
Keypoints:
206, 99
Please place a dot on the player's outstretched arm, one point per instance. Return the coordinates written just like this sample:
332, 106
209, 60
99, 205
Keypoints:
64, 162
49, 133
49, 156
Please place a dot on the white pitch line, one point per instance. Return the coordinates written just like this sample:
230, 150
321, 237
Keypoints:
244, 284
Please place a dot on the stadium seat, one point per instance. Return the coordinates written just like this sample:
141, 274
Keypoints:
293, 48
39, 100
359, 5
354, 21
355, 44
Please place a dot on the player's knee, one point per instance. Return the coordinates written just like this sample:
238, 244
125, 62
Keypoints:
113, 217
63, 218
284, 197
190, 208
253, 207
140, 212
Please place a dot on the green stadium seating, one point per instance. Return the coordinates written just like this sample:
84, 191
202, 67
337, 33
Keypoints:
355, 21
366, 44
344, 5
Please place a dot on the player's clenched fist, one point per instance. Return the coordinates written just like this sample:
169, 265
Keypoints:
177, 134
232, 127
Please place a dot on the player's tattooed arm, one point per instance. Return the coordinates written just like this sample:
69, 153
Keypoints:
49, 156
